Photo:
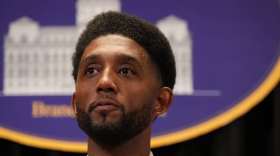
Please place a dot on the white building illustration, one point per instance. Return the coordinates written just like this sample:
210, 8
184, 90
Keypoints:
177, 33
37, 59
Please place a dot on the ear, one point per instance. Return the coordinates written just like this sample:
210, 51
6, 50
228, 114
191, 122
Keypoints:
73, 104
163, 101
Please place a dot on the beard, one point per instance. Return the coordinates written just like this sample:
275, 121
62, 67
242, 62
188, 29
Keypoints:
118, 132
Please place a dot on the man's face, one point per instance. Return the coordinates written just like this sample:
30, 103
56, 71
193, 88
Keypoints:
116, 86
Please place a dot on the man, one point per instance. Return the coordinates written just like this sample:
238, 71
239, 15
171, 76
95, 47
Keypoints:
124, 71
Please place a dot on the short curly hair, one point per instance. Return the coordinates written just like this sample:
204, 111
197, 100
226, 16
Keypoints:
144, 33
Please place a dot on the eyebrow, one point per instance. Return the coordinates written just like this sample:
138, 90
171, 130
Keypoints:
91, 58
125, 57
122, 57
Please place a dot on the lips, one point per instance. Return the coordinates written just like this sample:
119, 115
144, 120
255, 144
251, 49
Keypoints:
105, 105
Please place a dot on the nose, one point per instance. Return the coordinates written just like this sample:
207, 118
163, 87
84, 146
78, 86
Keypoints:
106, 82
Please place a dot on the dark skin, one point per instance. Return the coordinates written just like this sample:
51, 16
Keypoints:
117, 67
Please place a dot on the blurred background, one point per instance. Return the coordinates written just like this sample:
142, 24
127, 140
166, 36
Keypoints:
227, 92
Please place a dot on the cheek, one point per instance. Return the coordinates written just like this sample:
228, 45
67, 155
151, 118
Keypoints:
84, 95
135, 96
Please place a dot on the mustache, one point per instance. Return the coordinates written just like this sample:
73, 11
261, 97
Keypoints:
91, 108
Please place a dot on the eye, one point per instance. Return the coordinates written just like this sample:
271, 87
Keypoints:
125, 71
91, 71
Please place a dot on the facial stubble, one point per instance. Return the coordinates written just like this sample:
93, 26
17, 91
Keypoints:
118, 132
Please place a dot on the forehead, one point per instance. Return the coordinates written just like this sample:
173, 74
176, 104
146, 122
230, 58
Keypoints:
112, 45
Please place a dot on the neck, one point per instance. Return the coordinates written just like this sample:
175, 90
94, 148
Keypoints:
137, 146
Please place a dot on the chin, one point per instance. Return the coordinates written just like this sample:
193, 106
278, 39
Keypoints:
103, 116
